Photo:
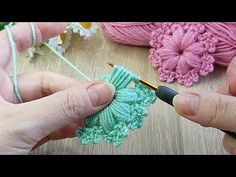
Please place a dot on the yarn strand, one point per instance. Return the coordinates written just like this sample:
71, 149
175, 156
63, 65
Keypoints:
67, 61
34, 39
14, 55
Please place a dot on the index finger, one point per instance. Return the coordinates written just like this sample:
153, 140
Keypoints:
22, 36
229, 86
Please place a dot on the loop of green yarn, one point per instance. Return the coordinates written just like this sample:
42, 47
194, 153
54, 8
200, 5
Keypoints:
126, 111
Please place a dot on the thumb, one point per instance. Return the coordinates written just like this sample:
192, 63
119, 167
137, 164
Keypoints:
231, 77
229, 144
50, 113
207, 109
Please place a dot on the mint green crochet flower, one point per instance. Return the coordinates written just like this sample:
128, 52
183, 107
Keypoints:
126, 111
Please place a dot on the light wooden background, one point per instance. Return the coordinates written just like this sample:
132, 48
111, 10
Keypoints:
164, 131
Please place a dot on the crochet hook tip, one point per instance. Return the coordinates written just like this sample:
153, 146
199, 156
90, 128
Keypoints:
152, 86
148, 84
111, 64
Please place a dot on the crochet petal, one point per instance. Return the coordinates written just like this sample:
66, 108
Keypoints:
126, 95
168, 43
171, 63
193, 60
182, 66
196, 48
166, 53
188, 39
177, 37
107, 120
120, 110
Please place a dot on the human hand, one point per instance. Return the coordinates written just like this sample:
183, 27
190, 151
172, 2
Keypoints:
54, 106
213, 109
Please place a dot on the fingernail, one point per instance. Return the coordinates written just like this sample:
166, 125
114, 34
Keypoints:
100, 93
186, 104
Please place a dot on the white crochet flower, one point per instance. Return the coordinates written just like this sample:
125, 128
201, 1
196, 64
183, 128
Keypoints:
61, 42
34, 50
66, 38
85, 29
55, 43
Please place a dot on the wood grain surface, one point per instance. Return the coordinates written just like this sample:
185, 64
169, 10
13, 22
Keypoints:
164, 131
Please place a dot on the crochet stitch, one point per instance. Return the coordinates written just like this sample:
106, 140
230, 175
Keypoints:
182, 52
126, 111
179, 51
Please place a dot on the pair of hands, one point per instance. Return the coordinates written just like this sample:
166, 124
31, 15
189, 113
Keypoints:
55, 105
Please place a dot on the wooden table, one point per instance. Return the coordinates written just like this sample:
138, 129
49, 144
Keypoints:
164, 131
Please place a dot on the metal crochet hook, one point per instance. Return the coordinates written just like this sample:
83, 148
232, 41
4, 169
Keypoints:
167, 95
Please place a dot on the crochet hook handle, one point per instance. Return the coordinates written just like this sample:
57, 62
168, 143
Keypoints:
167, 95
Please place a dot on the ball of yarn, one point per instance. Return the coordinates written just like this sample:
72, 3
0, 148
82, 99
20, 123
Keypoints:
133, 33
179, 51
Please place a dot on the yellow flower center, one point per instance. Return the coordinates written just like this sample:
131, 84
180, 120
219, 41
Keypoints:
86, 25
63, 36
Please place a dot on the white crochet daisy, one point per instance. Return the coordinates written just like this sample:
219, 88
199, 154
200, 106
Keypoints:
66, 38
85, 29
63, 41
55, 43
32, 51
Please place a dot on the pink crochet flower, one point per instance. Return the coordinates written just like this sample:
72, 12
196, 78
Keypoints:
182, 52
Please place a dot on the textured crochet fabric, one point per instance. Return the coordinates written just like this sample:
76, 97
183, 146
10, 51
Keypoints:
126, 111
182, 52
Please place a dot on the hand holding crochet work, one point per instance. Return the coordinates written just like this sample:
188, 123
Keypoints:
213, 109
54, 105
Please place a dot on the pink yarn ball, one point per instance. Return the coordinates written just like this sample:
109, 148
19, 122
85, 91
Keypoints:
179, 51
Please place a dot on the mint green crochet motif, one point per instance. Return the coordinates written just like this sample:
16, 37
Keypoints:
126, 111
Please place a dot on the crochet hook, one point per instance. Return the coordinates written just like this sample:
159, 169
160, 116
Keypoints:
167, 95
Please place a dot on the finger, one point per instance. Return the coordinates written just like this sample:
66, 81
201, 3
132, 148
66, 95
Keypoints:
231, 77
6, 88
207, 109
40, 84
53, 112
229, 144
22, 36
224, 88
229, 86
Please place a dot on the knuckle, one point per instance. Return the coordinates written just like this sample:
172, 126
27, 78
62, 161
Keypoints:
218, 112
45, 75
45, 82
71, 105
